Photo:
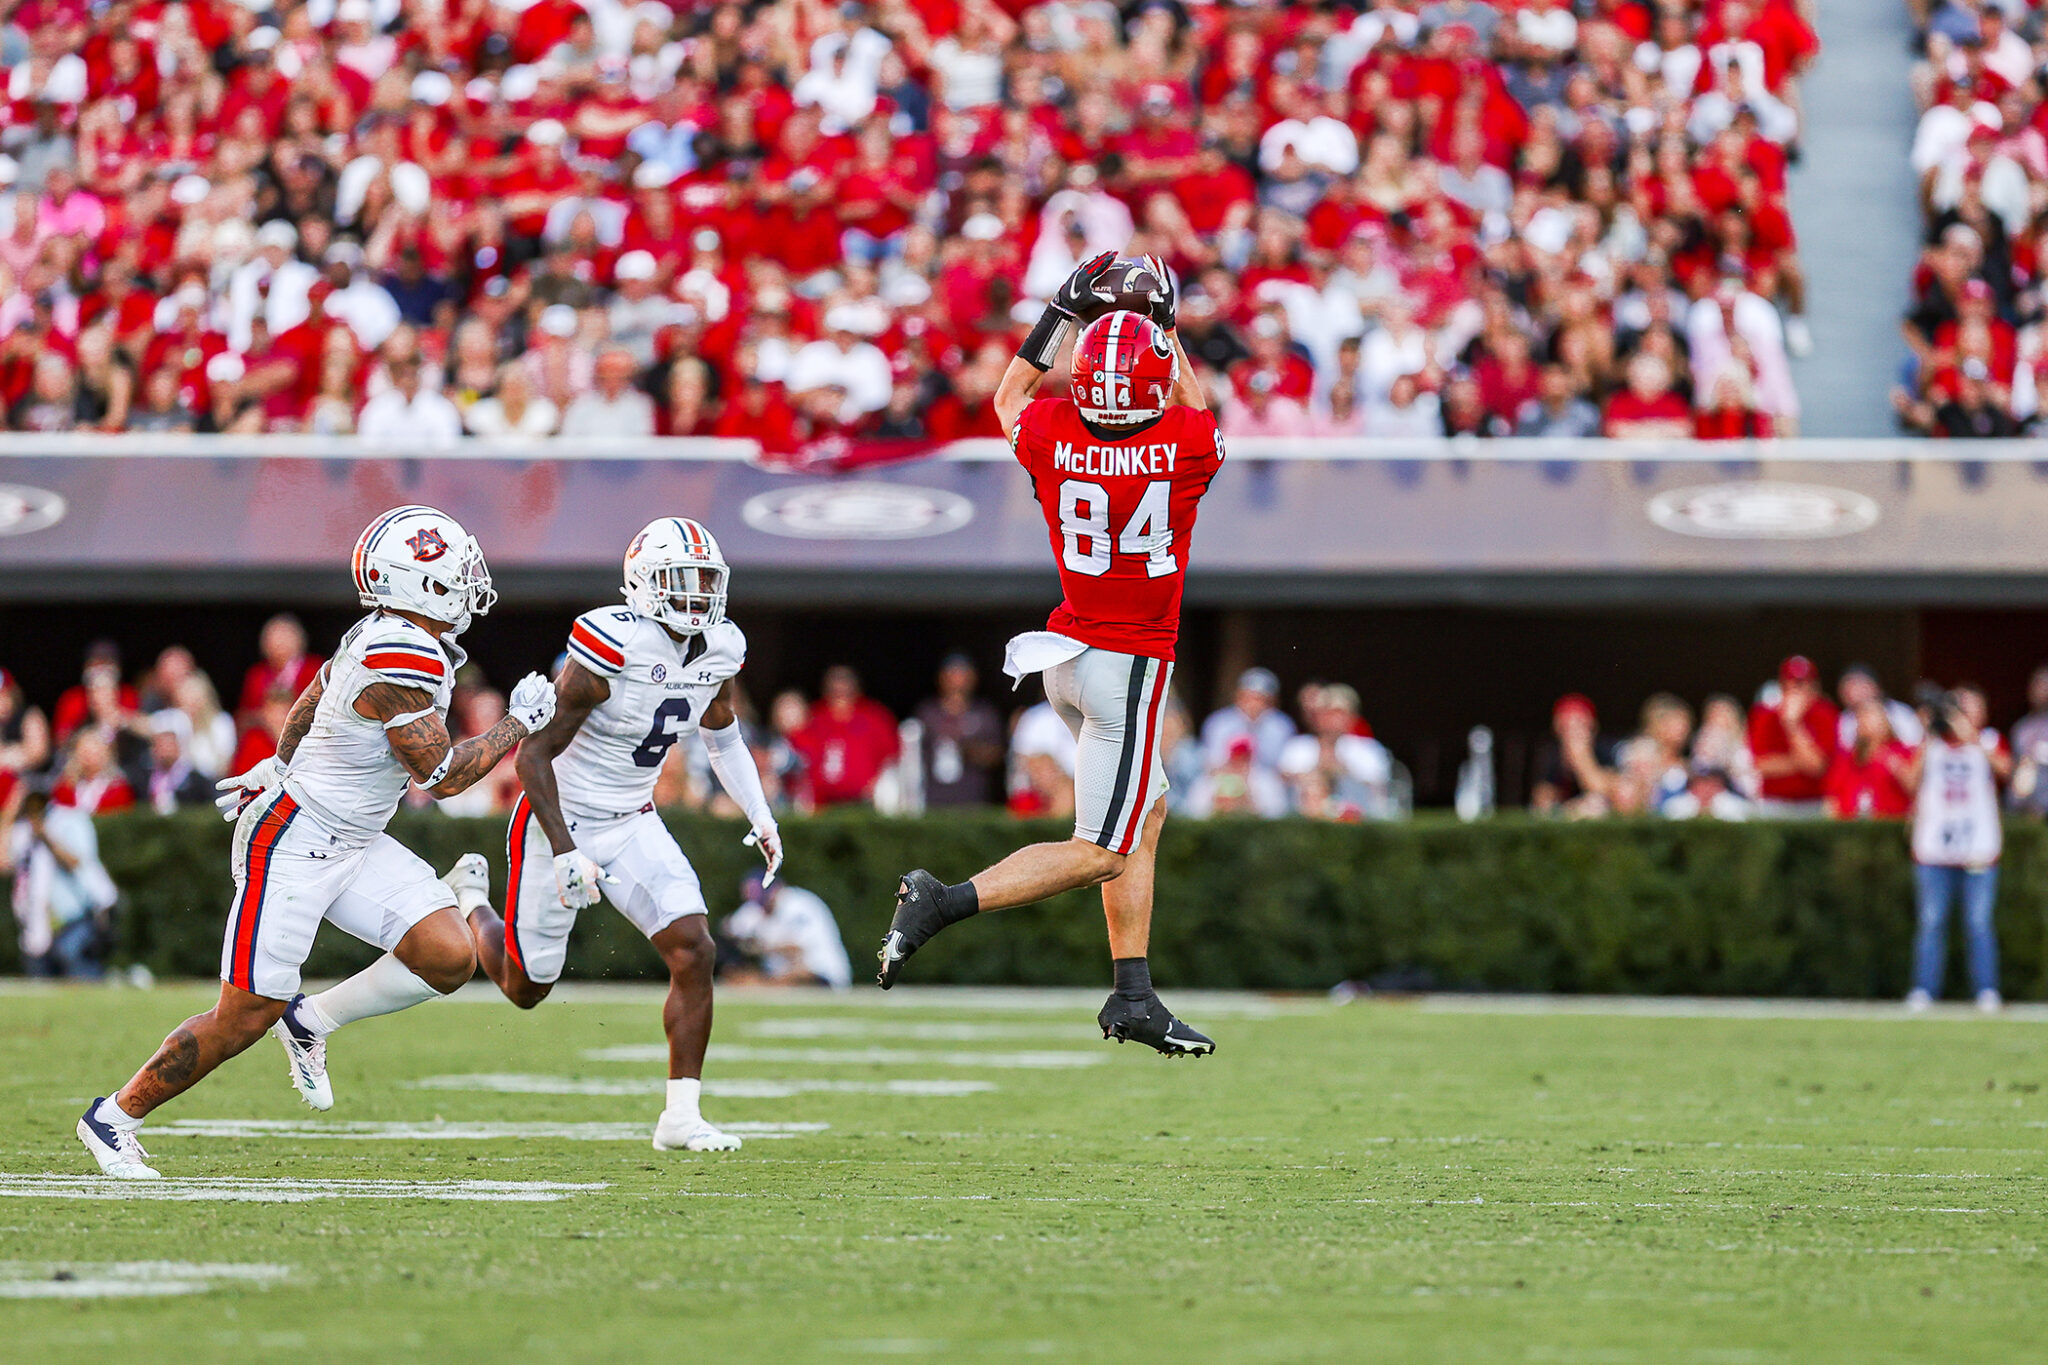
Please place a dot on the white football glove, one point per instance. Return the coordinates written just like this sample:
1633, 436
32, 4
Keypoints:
532, 703
237, 792
769, 841
577, 876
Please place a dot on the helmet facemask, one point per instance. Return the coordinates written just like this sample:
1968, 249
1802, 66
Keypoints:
686, 596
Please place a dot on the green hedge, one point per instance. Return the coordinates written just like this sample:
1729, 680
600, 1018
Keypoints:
1513, 904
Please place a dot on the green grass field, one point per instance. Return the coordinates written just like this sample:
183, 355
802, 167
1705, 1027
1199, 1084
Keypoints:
975, 1177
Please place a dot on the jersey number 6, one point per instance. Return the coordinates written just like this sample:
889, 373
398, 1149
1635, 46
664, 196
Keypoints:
669, 719
1084, 527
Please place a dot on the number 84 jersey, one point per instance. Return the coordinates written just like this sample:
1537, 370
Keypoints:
660, 687
1121, 512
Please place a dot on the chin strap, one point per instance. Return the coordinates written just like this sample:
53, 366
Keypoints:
734, 767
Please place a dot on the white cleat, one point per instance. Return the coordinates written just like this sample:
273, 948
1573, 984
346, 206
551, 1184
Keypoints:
691, 1133
118, 1150
1918, 1001
470, 880
1990, 1002
306, 1054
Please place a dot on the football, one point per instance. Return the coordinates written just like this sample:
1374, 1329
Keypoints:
1127, 285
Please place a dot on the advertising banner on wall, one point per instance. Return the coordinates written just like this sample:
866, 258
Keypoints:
1270, 521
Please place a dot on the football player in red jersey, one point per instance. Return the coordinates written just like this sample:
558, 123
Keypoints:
1119, 469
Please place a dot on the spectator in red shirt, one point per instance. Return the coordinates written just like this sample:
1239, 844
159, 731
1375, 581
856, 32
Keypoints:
102, 669
259, 736
1870, 780
847, 742
1648, 408
1793, 741
285, 665
92, 781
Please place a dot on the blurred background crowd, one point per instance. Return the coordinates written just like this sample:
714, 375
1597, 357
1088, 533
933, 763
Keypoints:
794, 221
1973, 329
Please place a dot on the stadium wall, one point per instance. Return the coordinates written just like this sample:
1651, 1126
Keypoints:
1792, 909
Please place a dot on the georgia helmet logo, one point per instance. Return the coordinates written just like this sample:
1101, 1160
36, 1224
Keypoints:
427, 545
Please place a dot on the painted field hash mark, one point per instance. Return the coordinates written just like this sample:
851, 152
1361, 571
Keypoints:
364, 1131
126, 1279
236, 1190
730, 1088
1044, 1060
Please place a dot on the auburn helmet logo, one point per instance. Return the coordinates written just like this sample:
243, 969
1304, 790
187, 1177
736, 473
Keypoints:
634, 548
428, 545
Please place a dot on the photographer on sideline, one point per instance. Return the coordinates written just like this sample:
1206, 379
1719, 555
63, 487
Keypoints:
1956, 846
62, 895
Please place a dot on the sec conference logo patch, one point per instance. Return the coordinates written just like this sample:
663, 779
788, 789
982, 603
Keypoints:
660, 671
24, 509
857, 511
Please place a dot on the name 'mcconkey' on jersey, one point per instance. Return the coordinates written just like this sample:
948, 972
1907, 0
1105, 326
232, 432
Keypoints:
1121, 513
660, 688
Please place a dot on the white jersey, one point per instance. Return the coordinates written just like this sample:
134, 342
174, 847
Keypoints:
344, 773
660, 689
1955, 814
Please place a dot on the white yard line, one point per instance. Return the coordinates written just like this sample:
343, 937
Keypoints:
362, 1131
126, 1279
727, 1087
869, 1056
236, 1190
1698, 1007
920, 1031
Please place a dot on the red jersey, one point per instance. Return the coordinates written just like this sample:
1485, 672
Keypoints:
1121, 512
1768, 738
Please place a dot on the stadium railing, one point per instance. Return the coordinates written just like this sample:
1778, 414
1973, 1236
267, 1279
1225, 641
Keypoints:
1814, 450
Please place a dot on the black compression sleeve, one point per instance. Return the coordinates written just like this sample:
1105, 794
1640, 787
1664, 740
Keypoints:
1042, 347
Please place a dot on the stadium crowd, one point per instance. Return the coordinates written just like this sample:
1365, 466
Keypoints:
1793, 752
795, 221
1975, 367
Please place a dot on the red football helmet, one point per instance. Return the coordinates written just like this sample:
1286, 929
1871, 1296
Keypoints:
1124, 369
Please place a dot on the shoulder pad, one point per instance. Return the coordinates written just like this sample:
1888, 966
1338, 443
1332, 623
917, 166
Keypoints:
598, 639
726, 645
400, 652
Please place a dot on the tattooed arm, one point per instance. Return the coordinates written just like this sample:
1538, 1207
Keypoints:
423, 745
578, 692
301, 718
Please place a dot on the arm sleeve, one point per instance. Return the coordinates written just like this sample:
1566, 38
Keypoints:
597, 642
734, 767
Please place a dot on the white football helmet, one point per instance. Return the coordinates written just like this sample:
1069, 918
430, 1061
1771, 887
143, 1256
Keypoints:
675, 576
421, 560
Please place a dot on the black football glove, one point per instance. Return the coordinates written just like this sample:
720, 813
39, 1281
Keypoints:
1079, 292
1166, 298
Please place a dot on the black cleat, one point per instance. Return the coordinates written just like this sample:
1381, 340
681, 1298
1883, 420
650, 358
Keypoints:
917, 918
1148, 1021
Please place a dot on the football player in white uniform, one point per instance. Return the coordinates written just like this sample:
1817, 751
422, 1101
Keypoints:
309, 836
638, 679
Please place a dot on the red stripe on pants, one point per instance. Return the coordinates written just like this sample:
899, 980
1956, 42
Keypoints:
515, 863
1141, 805
256, 876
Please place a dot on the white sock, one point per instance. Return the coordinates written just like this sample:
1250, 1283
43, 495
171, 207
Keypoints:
683, 1094
113, 1115
386, 986
468, 898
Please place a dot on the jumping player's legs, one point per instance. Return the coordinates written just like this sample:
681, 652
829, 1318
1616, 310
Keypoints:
1127, 901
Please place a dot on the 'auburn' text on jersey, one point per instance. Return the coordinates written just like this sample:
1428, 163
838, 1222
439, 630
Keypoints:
1121, 513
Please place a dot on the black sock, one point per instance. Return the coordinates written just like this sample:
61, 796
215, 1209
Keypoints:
1133, 978
958, 902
